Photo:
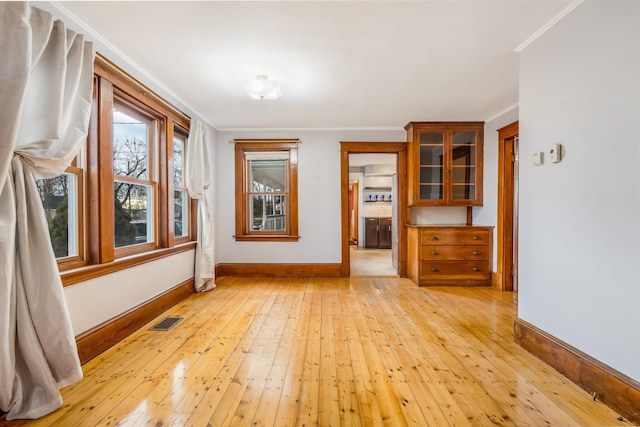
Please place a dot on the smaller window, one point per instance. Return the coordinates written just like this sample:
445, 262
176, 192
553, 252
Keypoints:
267, 190
181, 200
62, 202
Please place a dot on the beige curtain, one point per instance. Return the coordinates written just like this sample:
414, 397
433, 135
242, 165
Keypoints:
198, 181
46, 76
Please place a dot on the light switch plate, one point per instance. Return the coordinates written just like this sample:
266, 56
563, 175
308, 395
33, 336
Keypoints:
537, 158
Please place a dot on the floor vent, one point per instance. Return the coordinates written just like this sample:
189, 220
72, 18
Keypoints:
166, 324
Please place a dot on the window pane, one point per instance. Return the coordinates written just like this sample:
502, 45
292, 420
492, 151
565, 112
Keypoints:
130, 146
180, 213
178, 150
133, 214
267, 212
59, 199
268, 175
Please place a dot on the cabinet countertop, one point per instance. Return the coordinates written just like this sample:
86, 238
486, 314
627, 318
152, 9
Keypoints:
448, 225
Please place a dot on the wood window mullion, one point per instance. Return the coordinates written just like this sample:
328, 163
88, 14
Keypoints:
104, 149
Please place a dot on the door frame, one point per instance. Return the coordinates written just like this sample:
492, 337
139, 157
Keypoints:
505, 228
354, 200
354, 147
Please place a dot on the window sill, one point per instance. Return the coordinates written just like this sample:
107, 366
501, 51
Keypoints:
266, 238
92, 271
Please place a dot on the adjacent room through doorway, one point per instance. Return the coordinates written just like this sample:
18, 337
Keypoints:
373, 214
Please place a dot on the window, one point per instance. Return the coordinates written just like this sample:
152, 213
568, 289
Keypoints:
124, 201
62, 202
267, 190
134, 185
181, 199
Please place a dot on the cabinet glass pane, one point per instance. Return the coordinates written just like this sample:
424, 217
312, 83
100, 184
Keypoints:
463, 192
464, 138
431, 191
431, 165
463, 173
431, 155
431, 174
431, 148
431, 138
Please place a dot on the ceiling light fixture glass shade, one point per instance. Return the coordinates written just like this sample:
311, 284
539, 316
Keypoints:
263, 88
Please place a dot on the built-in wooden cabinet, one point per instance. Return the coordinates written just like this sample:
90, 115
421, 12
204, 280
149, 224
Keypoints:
445, 163
450, 255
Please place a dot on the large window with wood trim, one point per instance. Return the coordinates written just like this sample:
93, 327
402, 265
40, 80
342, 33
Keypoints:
135, 182
124, 200
266, 189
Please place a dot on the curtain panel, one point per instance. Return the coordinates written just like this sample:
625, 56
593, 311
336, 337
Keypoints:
198, 181
46, 77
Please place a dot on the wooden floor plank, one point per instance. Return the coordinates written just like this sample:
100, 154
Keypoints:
323, 351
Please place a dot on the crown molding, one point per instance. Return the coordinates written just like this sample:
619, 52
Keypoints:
553, 21
500, 113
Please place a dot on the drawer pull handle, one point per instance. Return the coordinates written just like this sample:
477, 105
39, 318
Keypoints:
434, 238
476, 252
435, 269
476, 269
476, 237
434, 252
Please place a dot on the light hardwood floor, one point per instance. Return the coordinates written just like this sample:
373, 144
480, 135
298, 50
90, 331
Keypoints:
328, 352
370, 262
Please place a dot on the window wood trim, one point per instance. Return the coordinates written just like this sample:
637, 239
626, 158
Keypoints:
191, 211
243, 146
99, 255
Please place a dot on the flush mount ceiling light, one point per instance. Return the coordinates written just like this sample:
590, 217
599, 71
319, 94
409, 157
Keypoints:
263, 88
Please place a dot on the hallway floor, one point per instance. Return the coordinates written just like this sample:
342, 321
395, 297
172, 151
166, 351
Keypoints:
370, 262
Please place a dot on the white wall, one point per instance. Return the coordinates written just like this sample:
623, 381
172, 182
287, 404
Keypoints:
579, 252
318, 198
103, 298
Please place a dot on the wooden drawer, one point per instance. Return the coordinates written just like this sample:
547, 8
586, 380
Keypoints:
448, 253
455, 236
455, 270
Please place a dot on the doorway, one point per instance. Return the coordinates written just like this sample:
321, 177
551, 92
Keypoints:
397, 150
375, 250
507, 227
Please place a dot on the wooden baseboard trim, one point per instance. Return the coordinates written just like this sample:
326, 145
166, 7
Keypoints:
99, 338
278, 270
613, 388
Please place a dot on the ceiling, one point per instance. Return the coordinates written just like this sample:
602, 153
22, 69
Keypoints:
358, 65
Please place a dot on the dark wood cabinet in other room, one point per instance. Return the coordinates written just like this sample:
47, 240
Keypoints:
377, 233
384, 233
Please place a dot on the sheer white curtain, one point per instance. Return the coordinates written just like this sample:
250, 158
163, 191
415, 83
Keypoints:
198, 181
46, 77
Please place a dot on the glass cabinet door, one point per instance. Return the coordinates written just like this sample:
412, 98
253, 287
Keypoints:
463, 166
445, 163
432, 166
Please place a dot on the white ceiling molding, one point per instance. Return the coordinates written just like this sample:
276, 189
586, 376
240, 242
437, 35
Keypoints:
500, 113
67, 16
328, 129
567, 10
